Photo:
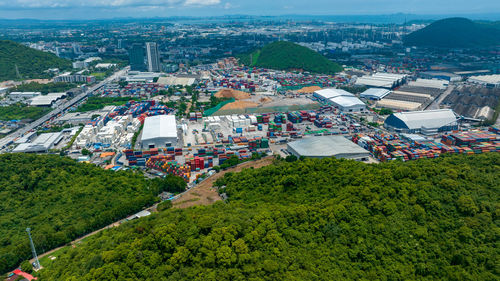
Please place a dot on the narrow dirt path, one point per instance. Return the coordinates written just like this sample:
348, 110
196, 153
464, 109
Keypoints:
205, 194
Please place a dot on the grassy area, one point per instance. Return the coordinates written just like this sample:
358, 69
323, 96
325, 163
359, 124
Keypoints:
47, 260
96, 103
19, 111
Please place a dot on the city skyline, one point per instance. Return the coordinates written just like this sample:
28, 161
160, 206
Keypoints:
98, 9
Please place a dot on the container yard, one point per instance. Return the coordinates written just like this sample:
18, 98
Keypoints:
387, 147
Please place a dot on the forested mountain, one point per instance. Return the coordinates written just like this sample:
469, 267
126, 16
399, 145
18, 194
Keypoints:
30, 63
455, 33
316, 219
283, 55
61, 200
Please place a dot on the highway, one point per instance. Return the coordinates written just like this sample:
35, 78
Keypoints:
59, 109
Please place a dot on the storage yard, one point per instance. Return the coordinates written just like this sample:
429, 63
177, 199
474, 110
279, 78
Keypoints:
175, 129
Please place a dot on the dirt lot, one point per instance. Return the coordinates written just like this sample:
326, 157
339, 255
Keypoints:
204, 194
239, 105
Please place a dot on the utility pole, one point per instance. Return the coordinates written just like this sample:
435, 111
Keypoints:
37, 263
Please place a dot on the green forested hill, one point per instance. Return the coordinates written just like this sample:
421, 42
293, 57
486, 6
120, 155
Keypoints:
315, 220
61, 200
31, 63
290, 56
456, 33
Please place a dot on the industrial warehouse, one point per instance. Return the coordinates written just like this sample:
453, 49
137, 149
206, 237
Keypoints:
427, 122
340, 99
159, 131
328, 146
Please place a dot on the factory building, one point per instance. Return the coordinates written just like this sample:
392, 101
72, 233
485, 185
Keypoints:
42, 143
159, 131
47, 100
490, 81
328, 146
340, 99
427, 122
440, 75
381, 80
17, 96
375, 93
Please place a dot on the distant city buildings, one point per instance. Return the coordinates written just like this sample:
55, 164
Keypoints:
153, 57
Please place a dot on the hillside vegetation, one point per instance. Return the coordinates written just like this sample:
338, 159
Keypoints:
31, 63
456, 33
314, 220
61, 200
290, 56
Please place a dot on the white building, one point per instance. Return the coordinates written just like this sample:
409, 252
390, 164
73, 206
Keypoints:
343, 100
426, 122
47, 100
42, 143
23, 95
381, 80
159, 131
375, 93
492, 81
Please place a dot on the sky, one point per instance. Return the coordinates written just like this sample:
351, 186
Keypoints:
101, 9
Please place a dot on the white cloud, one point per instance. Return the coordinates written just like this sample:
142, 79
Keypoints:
201, 2
102, 3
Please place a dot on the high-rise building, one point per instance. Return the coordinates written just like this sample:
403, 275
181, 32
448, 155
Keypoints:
76, 49
137, 58
153, 56
120, 44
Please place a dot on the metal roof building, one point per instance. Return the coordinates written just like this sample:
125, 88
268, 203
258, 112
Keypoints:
426, 122
47, 100
42, 143
381, 80
328, 146
340, 99
375, 93
159, 131
492, 81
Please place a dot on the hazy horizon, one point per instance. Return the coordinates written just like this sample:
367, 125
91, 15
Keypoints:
99, 9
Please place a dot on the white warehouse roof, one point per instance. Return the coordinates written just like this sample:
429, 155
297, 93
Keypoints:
375, 93
331, 93
161, 126
346, 101
327, 146
428, 118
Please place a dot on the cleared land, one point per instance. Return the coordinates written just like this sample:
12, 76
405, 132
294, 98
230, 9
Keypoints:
205, 194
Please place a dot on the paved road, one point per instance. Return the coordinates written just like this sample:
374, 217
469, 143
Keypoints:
435, 104
61, 108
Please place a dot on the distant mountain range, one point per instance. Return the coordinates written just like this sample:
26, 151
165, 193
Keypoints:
283, 55
30, 63
456, 33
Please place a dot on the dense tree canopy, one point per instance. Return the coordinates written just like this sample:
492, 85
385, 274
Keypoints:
30, 63
60, 200
283, 55
455, 33
315, 220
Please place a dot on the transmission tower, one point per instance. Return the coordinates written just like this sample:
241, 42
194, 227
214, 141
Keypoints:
17, 72
37, 263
